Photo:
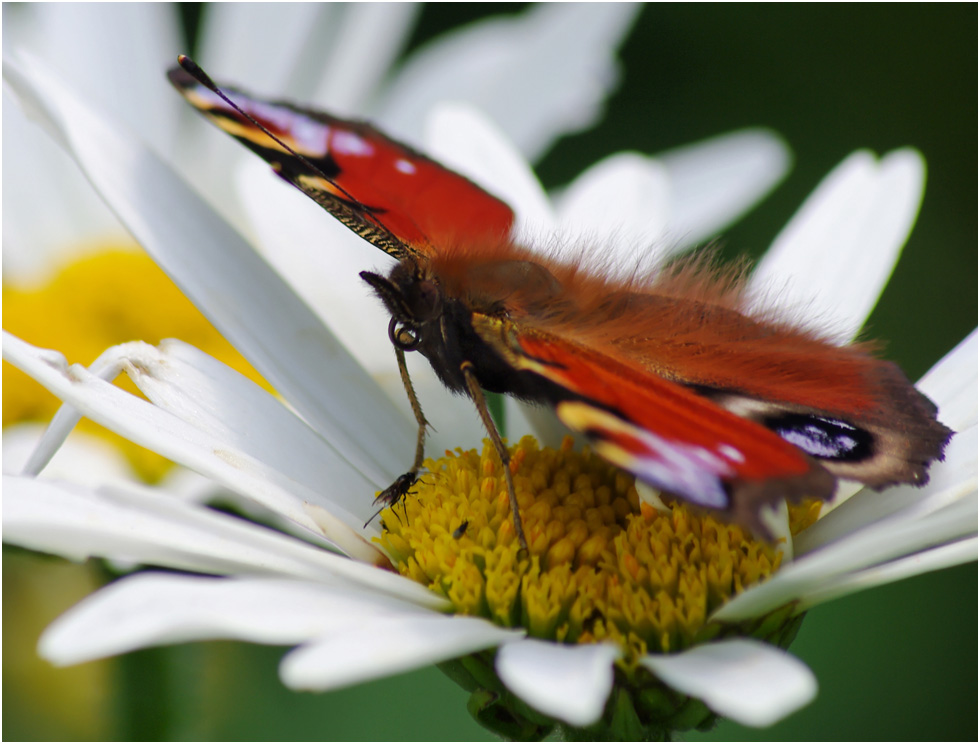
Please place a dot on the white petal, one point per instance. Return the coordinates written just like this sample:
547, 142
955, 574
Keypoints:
151, 609
218, 400
776, 519
160, 431
47, 222
84, 458
748, 681
234, 37
620, 207
837, 253
952, 385
934, 559
386, 646
568, 682
321, 259
462, 138
103, 49
635, 210
544, 424
539, 421
938, 518
715, 181
142, 525
353, 70
236, 290
453, 418
539, 75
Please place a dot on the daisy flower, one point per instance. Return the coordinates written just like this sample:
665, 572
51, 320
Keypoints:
350, 621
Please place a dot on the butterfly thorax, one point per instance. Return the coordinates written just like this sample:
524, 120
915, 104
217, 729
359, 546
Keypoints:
429, 318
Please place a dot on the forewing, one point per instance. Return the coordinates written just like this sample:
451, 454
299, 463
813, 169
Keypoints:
665, 434
389, 194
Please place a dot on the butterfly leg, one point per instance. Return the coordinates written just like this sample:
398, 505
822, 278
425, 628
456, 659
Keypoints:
416, 409
476, 393
403, 484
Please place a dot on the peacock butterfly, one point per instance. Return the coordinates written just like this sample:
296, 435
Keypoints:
668, 374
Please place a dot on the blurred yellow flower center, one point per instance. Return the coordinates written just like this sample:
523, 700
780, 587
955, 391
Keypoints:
601, 565
106, 297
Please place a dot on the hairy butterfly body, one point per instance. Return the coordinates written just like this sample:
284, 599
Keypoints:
671, 378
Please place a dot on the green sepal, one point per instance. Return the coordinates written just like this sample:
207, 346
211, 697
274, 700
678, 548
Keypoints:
787, 634
497, 713
692, 714
625, 724
656, 703
480, 667
457, 672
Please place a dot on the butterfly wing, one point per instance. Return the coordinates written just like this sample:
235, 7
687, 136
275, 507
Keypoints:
662, 432
383, 190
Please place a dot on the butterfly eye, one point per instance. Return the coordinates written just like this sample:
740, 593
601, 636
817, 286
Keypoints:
405, 336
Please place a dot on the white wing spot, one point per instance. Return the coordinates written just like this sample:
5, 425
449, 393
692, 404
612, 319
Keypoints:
348, 143
405, 166
730, 453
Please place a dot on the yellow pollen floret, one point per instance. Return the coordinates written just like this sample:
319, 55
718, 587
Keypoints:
600, 565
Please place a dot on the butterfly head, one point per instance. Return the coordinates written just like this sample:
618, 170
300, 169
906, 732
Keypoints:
410, 298
415, 304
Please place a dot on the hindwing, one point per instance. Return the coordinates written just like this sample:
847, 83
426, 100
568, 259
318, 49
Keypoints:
664, 433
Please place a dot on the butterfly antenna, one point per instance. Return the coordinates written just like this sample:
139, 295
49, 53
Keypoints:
194, 70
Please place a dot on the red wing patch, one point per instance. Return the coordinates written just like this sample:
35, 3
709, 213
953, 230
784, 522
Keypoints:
367, 180
671, 437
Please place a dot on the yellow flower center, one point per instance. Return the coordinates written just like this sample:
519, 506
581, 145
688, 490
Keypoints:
106, 297
601, 565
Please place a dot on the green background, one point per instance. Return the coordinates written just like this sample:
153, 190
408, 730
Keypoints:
896, 662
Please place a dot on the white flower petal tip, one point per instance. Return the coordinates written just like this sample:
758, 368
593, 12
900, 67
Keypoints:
540, 74
84, 458
716, 181
748, 681
461, 137
836, 254
627, 193
345, 538
952, 385
651, 496
387, 646
776, 520
570, 683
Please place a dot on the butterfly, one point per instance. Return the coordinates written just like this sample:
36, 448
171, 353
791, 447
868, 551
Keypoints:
669, 375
